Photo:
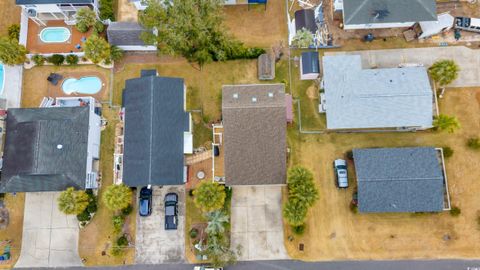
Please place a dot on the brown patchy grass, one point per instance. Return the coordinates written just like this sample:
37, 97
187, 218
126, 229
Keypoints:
257, 26
10, 15
193, 216
96, 239
334, 232
13, 232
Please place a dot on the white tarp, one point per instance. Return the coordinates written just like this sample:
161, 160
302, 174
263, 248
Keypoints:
444, 23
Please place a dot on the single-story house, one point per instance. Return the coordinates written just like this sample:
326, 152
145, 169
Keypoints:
126, 35
409, 179
254, 138
375, 99
157, 131
309, 66
370, 14
52, 148
444, 23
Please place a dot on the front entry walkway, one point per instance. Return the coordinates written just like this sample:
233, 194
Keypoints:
50, 238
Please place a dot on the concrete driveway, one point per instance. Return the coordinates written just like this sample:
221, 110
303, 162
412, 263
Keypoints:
12, 91
50, 238
154, 244
257, 223
466, 58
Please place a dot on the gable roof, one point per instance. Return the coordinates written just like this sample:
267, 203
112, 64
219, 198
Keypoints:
305, 18
154, 130
310, 62
358, 98
399, 179
388, 11
41, 2
45, 149
254, 121
125, 34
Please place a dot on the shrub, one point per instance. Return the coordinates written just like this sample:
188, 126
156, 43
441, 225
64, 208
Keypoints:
72, 202
447, 152
303, 38
97, 49
349, 154
56, 59
474, 143
455, 211
122, 241
39, 60
92, 207
106, 10
2, 195
117, 197
84, 216
86, 18
14, 31
127, 210
118, 222
193, 233
209, 196
190, 192
71, 59
298, 230
98, 27
116, 251
353, 208
12, 52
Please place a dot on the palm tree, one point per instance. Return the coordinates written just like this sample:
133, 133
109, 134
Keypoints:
302, 39
73, 202
295, 212
216, 222
444, 72
115, 53
301, 186
209, 196
445, 122
117, 197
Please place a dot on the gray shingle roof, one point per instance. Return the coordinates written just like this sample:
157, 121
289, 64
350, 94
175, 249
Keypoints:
125, 34
41, 2
32, 160
154, 130
310, 62
254, 134
359, 98
388, 11
399, 179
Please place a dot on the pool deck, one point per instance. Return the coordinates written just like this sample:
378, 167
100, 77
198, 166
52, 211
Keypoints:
12, 89
36, 45
56, 91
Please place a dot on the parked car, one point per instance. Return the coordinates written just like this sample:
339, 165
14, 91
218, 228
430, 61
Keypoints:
206, 268
171, 211
340, 166
145, 202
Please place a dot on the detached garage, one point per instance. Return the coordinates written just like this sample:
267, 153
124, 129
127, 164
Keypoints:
309, 66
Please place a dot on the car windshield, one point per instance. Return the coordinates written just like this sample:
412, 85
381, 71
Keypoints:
341, 167
342, 172
144, 206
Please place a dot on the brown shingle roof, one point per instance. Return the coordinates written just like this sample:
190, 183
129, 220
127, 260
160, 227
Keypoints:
254, 121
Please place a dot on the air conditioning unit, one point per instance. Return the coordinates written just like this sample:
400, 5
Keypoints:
32, 12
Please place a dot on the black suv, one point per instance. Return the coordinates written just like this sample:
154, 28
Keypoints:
145, 202
171, 211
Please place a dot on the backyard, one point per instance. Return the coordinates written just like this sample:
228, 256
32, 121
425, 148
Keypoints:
10, 15
335, 232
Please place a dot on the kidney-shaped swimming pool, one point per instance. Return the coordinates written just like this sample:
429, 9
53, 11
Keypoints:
85, 85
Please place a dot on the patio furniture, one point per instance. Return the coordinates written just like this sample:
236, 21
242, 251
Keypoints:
54, 78
78, 46
83, 39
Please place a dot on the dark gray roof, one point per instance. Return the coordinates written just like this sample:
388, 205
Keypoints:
125, 34
305, 18
310, 62
388, 11
32, 160
40, 2
399, 179
254, 134
154, 131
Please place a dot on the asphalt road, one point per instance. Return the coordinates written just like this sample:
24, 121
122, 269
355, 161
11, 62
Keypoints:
297, 265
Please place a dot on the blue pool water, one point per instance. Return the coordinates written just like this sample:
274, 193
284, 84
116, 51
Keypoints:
55, 34
2, 78
86, 85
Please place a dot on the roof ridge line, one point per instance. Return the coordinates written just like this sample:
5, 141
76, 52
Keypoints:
356, 11
397, 179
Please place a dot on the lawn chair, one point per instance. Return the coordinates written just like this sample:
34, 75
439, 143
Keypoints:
54, 78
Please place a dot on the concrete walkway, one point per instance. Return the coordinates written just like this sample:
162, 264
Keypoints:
12, 90
50, 238
466, 58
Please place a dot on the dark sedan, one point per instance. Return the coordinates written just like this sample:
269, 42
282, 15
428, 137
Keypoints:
145, 202
171, 211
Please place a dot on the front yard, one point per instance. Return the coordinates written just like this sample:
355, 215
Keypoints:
334, 232
13, 232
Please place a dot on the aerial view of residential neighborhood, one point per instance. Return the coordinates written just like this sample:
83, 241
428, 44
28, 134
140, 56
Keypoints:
240, 134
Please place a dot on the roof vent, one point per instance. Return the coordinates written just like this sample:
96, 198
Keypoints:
254, 99
59, 146
270, 94
235, 96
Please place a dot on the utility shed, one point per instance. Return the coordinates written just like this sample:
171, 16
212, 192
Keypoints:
406, 179
266, 67
309, 66
305, 18
126, 35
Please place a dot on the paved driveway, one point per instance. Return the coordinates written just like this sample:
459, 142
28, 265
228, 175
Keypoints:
50, 238
257, 223
466, 58
154, 244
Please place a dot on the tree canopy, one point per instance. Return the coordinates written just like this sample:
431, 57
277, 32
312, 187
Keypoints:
444, 72
209, 196
86, 18
302, 39
11, 52
446, 122
97, 49
216, 221
73, 202
117, 197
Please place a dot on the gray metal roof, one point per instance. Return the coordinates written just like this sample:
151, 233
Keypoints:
154, 131
388, 11
45, 149
41, 2
254, 121
125, 34
399, 179
310, 62
305, 18
359, 98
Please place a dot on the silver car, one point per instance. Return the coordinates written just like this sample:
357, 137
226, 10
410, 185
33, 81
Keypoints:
340, 167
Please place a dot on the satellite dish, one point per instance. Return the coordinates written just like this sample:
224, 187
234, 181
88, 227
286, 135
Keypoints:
31, 12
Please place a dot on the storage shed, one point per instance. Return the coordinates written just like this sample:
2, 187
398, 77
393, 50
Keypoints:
266, 67
309, 66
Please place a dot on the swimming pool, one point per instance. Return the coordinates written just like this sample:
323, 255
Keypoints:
55, 34
86, 85
2, 78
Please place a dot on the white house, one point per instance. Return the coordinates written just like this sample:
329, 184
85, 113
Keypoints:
371, 14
